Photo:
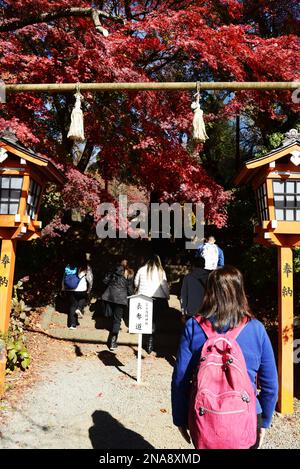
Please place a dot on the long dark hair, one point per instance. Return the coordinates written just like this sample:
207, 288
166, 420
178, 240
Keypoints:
225, 298
154, 261
78, 259
128, 271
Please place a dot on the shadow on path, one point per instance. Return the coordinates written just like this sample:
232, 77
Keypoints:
110, 359
108, 433
77, 351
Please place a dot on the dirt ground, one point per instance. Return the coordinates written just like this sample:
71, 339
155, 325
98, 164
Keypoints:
83, 396
79, 395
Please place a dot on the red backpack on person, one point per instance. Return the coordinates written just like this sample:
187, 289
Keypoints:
222, 411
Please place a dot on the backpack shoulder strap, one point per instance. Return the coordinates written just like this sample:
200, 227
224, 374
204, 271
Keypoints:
234, 333
206, 325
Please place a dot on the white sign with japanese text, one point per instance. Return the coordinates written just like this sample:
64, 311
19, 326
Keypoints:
140, 314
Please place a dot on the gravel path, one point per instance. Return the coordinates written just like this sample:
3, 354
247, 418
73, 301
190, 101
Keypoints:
87, 398
85, 403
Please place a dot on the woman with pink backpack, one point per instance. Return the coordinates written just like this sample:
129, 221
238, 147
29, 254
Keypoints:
224, 385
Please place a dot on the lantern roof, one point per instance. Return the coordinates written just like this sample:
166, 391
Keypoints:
290, 146
9, 142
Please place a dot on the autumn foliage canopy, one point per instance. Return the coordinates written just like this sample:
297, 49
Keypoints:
141, 138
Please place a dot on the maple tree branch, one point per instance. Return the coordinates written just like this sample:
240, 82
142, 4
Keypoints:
127, 9
85, 157
65, 13
97, 24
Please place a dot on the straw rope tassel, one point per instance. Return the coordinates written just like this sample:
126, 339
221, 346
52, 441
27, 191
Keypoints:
199, 132
76, 131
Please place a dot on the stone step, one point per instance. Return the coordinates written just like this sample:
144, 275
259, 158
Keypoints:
94, 327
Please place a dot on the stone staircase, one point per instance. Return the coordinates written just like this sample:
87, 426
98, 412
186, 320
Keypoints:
94, 327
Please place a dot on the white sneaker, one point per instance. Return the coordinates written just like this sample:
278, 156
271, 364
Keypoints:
72, 327
79, 313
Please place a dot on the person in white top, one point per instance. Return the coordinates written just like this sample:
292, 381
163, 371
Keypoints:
151, 280
78, 282
212, 253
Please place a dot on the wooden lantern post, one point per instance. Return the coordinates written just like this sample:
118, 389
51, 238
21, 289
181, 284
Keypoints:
23, 177
7, 269
275, 179
285, 330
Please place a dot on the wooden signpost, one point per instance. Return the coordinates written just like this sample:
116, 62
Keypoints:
140, 322
275, 179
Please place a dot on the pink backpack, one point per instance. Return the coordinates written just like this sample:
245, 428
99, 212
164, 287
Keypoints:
222, 412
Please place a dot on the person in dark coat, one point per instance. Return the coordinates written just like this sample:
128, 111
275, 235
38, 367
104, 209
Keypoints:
119, 287
193, 288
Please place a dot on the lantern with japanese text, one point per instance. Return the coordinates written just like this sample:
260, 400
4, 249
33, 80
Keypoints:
275, 178
23, 177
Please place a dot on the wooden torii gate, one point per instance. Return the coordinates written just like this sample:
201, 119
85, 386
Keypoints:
285, 256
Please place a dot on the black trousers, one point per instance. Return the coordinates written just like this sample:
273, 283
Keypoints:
117, 315
255, 446
160, 305
77, 300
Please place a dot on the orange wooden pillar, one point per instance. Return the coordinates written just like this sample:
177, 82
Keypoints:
285, 330
7, 269
2, 367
